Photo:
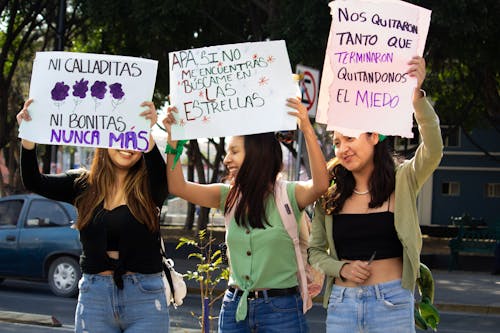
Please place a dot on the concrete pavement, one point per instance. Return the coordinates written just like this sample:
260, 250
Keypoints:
456, 291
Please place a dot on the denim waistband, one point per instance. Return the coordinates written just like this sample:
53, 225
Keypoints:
265, 293
372, 291
134, 277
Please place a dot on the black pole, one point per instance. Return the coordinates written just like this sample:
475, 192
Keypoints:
59, 46
61, 22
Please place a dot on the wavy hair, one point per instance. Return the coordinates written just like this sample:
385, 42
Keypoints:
100, 179
382, 181
255, 180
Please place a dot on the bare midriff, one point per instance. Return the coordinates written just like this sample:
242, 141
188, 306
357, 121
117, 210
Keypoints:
383, 270
113, 255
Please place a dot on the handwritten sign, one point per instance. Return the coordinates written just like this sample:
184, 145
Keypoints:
92, 100
364, 85
232, 89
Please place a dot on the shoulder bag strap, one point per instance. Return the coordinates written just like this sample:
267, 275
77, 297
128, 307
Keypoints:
166, 264
290, 223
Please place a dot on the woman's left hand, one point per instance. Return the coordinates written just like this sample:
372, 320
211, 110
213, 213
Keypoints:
150, 113
301, 113
417, 70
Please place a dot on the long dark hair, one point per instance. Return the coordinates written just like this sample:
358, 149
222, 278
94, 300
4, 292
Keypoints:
382, 181
99, 181
255, 180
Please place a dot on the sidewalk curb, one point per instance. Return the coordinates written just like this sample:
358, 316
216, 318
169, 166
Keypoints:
470, 308
29, 318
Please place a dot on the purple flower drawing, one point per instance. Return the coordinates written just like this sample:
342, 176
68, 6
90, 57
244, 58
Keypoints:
80, 89
59, 93
97, 91
116, 91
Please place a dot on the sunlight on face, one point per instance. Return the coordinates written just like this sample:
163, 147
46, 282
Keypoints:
235, 154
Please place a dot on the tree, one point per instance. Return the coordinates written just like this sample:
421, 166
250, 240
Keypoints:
27, 26
462, 51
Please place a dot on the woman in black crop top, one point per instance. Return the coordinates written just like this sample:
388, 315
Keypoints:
118, 200
365, 233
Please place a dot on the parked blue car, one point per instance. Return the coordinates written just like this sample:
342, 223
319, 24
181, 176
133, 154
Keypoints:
38, 243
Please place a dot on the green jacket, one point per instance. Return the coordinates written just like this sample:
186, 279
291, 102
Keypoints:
410, 177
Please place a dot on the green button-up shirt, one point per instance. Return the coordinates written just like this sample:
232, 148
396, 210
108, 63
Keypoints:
261, 258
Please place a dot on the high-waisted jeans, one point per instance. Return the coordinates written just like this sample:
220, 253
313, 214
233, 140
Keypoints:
137, 308
384, 307
267, 315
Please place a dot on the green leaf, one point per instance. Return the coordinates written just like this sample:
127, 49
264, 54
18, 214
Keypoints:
196, 255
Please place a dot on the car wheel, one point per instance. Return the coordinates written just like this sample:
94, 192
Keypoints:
64, 274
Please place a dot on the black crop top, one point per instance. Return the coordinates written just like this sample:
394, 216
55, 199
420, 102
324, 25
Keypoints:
139, 248
357, 236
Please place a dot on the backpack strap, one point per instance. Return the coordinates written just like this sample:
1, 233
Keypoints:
290, 224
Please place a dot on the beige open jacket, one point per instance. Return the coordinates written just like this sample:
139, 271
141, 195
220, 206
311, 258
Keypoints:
410, 177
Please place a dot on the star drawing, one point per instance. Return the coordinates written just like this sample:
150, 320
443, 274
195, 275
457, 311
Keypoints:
263, 81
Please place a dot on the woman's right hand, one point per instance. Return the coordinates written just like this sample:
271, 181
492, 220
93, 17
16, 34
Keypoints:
24, 115
356, 271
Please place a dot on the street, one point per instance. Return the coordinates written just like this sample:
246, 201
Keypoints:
31, 297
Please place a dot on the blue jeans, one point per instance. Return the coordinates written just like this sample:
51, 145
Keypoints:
137, 308
267, 315
384, 307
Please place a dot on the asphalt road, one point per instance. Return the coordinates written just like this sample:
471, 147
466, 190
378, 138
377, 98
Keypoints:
22, 296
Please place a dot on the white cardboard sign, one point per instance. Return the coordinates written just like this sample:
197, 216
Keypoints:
364, 85
234, 89
92, 100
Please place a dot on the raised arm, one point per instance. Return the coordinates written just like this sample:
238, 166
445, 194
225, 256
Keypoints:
206, 195
429, 153
306, 192
58, 187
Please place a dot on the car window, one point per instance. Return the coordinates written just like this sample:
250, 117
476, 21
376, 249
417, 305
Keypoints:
44, 213
9, 213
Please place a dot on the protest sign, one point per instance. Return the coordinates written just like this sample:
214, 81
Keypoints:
364, 85
232, 89
91, 100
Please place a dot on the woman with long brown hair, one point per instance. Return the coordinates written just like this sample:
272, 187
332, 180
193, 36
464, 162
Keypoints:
262, 291
118, 200
365, 232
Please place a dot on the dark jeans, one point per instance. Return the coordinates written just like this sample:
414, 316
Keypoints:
281, 314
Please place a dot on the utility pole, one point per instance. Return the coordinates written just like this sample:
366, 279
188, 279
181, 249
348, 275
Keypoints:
59, 46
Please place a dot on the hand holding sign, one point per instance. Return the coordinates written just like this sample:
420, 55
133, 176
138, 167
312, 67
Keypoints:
24, 115
301, 113
417, 70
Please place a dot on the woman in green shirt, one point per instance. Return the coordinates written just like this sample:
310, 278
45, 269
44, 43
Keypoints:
263, 282
365, 233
